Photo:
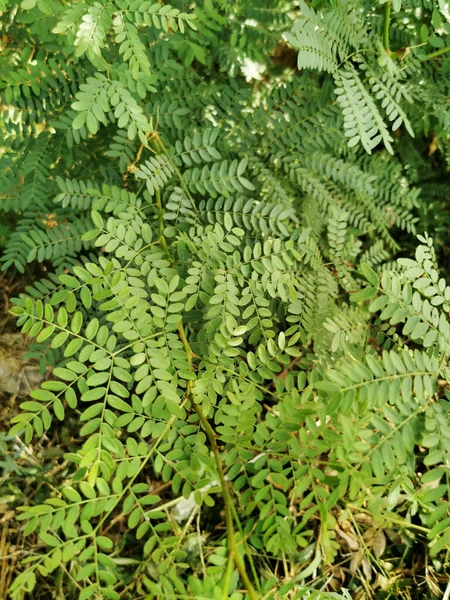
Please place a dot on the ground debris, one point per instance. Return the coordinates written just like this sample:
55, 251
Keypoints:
18, 375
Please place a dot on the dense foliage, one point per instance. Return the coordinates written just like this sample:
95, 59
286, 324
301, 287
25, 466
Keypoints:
236, 310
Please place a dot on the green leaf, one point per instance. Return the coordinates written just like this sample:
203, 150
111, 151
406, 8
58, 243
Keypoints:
28, 4
369, 274
364, 294
97, 219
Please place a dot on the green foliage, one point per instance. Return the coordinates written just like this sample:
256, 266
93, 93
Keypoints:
227, 318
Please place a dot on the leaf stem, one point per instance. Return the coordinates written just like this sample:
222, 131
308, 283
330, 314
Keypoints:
436, 53
163, 149
387, 18
159, 205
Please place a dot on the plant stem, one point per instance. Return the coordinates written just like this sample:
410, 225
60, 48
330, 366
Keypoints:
187, 347
436, 53
227, 579
232, 544
159, 205
249, 556
162, 239
159, 144
141, 187
387, 18
228, 502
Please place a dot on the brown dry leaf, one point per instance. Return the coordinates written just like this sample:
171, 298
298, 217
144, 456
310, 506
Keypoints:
338, 573
363, 518
335, 584
17, 376
7, 516
350, 541
381, 582
345, 525
367, 569
433, 146
335, 577
394, 536
356, 560
379, 544
369, 534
